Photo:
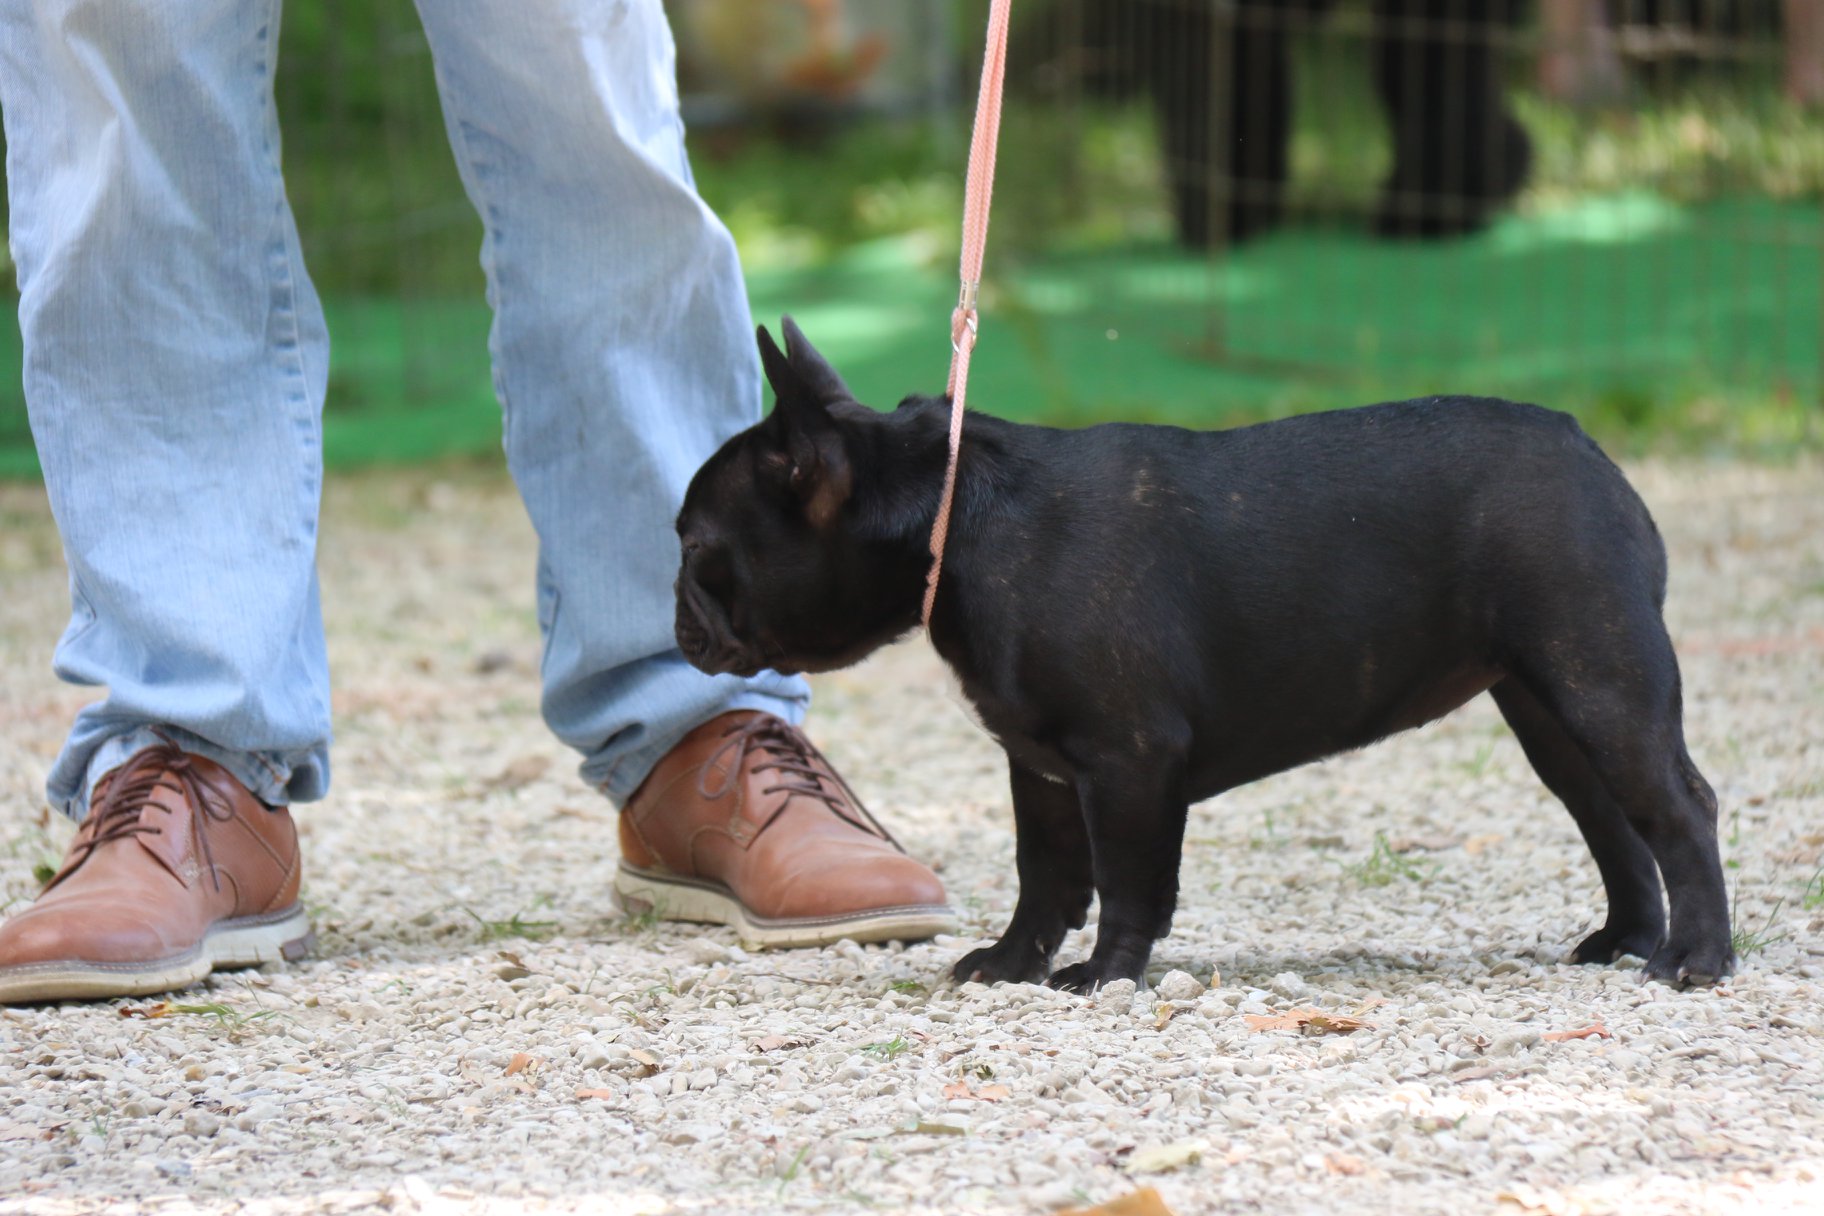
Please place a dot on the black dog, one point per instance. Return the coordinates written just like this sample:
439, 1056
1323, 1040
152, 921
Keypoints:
1147, 616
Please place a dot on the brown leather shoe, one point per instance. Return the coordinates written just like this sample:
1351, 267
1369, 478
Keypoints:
744, 823
176, 871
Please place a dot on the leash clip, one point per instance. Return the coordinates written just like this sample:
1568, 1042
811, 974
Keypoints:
965, 318
966, 301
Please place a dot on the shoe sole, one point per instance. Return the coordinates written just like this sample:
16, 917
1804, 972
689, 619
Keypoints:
245, 941
669, 897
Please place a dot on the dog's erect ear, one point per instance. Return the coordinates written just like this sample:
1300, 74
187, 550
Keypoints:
811, 459
800, 376
814, 371
778, 368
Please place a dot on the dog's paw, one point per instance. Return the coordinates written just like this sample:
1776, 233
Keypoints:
1691, 966
1613, 941
1089, 975
1012, 962
1078, 977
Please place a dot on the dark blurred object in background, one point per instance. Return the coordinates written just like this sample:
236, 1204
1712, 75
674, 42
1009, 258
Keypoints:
1219, 74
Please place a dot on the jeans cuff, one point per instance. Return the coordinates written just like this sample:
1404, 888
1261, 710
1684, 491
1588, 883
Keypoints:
625, 772
263, 775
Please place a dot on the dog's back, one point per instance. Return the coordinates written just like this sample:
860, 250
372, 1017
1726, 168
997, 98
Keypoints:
1317, 582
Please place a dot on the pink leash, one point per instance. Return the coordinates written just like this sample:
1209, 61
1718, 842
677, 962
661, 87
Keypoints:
977, 195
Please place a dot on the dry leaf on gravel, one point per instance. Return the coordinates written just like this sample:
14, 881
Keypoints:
1306, 1021
520, 1062
519, 774
583, 1095
1345, 1164
1158, 1158
778, 1042
1339, 1023
1594, 1031
1143, 1202
156, 1010
1166, 1012
511, 967
1480, 844
987, 1093
648, 1062
1537, 1201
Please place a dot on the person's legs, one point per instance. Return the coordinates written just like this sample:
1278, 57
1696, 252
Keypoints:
622, 346
175, 358
174, 372
623, 358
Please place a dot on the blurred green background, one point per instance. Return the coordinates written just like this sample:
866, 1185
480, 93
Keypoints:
1659, 276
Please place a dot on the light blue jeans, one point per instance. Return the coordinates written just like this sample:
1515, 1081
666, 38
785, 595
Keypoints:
176, 358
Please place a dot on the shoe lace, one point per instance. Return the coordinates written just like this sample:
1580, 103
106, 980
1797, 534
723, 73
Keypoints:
125, 795
778, 746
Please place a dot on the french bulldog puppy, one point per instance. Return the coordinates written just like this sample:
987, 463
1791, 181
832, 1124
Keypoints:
1146, 616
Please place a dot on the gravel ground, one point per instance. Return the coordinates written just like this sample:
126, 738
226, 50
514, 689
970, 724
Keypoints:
482, 1032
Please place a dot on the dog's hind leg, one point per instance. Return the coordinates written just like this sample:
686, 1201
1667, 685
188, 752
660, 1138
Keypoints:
1052, 852
1135, 809
1615, 692
1637, 916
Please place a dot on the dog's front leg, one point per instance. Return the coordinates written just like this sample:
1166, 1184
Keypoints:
1052, 852
1135, 810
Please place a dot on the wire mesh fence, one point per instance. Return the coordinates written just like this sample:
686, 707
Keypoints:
1297, 201
1566, 189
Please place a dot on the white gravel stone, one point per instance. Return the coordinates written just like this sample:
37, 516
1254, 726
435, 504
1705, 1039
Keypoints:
1178, 985
1118, 995
1290, 986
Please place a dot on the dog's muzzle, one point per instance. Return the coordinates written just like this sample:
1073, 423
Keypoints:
704, 639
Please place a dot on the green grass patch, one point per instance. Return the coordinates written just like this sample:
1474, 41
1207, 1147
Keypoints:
514, 926
1384, 866
1745, 940
889, 1049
